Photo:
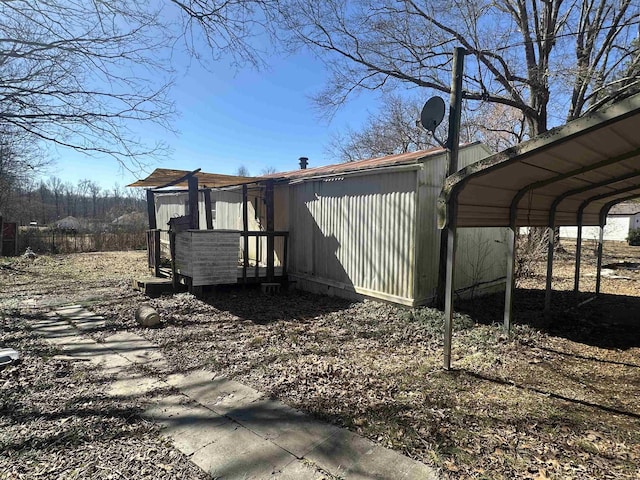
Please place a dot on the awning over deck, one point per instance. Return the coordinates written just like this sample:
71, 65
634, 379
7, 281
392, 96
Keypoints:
164, 176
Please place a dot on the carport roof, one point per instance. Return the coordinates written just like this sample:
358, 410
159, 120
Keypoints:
585, 166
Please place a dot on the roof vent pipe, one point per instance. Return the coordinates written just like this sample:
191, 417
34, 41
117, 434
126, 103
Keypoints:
304, 161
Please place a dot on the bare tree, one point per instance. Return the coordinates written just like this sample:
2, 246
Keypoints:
57, 188
242, 171
391, 130
83, 74
521, 53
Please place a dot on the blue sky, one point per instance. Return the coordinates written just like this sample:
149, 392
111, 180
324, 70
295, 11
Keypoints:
230, 117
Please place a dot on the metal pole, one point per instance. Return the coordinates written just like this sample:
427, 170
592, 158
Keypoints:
547, 293
599, 268
453, 141
449, 284
453, 144
576, 280
511, 279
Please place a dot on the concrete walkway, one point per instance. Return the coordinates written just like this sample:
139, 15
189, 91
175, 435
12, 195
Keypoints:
226, 428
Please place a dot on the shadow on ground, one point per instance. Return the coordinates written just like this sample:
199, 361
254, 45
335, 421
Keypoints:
608, 321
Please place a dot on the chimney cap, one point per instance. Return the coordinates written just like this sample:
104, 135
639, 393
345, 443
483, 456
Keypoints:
304, 161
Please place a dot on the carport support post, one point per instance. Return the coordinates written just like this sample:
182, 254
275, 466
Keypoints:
547, 293
576, 280
449, 283
599, 268
511, 279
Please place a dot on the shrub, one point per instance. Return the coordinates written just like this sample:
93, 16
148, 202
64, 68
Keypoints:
634, 237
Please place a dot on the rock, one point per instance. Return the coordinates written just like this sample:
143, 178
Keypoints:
28, 253
147, 316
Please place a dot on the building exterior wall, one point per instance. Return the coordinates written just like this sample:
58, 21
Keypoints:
355, 234
481, 253
617, 228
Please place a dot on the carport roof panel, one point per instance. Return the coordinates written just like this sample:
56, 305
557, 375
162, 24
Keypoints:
591, 150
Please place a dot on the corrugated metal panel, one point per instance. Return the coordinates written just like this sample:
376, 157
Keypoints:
481, 252
356, 233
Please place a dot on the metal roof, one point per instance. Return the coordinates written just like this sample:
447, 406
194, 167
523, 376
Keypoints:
164, 176
358, 165
583, 167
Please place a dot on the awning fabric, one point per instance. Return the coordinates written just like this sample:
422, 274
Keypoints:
163, 176
585, 166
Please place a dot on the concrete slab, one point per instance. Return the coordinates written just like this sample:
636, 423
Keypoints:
352, 457
135, 386
134, 348
286, 427
242, 454
215, 392
299, 470
197, 428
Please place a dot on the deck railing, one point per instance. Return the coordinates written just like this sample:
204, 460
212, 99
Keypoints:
271, 250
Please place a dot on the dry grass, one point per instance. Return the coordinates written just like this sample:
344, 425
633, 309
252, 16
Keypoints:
559, 401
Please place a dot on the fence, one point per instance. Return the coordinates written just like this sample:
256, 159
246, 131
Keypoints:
51, 241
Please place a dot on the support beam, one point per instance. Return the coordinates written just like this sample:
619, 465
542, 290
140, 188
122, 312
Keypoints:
512, 235
151, 210
449, 286
599, 267
548, 288
194, 214
207, 207
245, 229
270, 228
576, 280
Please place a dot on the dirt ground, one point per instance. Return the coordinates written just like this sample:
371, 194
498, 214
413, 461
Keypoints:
558, 398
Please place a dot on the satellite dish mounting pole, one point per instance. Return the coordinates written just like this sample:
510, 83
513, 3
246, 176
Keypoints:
448, 236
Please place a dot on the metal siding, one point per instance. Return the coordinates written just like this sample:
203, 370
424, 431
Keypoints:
430, 181
356, 232
491, 241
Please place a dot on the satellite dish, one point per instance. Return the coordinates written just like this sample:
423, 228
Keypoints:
432, 114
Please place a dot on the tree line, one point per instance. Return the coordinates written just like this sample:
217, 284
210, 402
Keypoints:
49, 200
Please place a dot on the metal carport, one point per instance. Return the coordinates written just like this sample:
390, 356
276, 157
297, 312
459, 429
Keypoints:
570, 175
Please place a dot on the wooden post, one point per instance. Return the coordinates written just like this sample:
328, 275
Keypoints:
156, 248
207, 206
151, 210
270, 229
172, 250
245, 230
194, 214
